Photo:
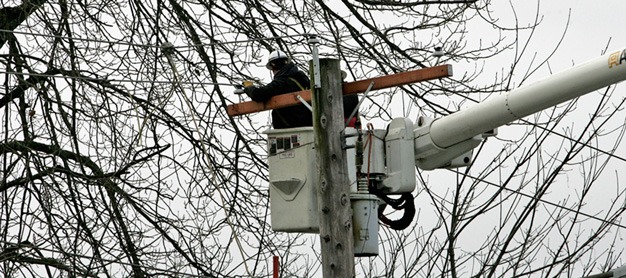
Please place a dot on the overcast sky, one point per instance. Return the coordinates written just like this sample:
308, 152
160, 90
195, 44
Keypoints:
592, 26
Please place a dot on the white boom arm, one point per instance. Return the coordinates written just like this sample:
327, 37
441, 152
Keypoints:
438, 142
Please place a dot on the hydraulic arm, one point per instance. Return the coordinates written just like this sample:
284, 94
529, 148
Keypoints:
384, 161
453, 135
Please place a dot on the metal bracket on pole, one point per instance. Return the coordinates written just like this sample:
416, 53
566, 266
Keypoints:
314, 41
360, 101
304, 102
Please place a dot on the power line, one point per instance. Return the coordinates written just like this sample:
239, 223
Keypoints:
147, 45
538, 199
76, 38
100, 259
575, 141
85, 78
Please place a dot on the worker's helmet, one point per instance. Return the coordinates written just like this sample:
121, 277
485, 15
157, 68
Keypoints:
277, 59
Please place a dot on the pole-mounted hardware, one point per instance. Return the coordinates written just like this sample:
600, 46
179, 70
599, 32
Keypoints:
305, 103
356, 109
314, 41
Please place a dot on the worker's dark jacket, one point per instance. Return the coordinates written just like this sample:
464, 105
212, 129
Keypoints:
287, 117
293, 116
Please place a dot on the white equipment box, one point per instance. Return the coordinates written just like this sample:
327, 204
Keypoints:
293, 180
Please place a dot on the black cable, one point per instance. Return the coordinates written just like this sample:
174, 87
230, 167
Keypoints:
145, 45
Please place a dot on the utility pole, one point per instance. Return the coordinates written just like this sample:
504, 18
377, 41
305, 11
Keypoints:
333, 197
333, 189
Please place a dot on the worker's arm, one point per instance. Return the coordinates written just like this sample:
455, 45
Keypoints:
278, 86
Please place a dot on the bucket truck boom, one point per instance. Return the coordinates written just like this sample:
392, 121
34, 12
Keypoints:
449, 141
385, 159
439, 141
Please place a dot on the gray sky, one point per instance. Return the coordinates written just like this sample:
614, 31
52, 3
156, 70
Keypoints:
593, 25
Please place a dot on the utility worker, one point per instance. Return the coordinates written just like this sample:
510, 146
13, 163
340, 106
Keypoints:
287, 79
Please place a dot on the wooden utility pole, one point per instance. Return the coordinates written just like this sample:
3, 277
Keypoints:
333, 197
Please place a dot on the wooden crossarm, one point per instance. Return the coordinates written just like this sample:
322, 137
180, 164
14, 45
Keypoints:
349, 88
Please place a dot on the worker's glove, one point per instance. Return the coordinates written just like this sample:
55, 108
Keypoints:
249, 90
247, 83
248, 87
